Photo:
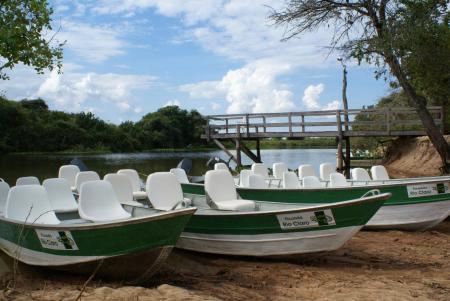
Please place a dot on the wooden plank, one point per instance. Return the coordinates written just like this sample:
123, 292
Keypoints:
248, 152
223, 148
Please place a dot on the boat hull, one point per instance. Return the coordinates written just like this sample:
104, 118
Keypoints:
81, 248
413, 206
268, 244
278, 232
412, 217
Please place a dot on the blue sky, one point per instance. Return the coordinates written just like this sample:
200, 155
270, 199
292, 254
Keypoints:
124, 59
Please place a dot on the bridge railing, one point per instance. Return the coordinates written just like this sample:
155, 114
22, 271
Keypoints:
331, 123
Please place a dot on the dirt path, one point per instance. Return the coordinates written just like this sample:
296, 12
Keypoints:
390, 265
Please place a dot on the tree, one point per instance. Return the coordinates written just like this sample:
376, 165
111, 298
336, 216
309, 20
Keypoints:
23, 25
392, 34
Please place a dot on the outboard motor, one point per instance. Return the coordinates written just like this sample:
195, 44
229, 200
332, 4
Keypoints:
185, 164
78, 162
210, 163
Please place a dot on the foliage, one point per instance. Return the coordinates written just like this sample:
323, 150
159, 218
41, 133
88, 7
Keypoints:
23, 26
408, 39
29, 126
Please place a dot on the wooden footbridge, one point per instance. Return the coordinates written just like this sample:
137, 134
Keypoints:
341, 124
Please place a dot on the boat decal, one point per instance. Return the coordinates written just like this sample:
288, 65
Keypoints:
56, 240
427, 189
306, 219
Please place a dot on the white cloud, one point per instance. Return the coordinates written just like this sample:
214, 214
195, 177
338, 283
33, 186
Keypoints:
236, 29
173, 102
311, 97
215, 106
252, 88
92, 43
71, 91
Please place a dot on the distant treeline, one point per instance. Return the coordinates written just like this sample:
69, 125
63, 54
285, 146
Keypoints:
29, 126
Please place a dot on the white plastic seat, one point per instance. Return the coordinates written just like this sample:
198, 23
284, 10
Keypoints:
164, 190
243, 177
99, 203
279, 169
122, 188
360, 174
311, 182
60, 195
260, 169
325, 170
30, 204
305, 170
4, 190
180, 174
31, 180
221, 166
290, 180
379, 172
85, 176
136, 182
69, 172
219, 187
338, 180
257, 181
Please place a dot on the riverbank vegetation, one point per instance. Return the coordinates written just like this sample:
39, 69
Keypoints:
29, 126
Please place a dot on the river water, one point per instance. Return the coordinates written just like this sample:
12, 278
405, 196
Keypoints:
46, 166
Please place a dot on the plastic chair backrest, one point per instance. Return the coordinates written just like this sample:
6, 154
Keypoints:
69, 172
122, 187
219, 185
360, 174
31, 180
243, 177
99, 203
30, 204
164, 191
4, 190
379, 172
260, 169
257, 181
85, 176
311, 182
221, 166
180, 174
279, 169
60, 195
133, 175
338, 180
290, 180
325, 170
305, 170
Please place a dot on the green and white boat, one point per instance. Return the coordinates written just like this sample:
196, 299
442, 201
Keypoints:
416, 204
224, 224
119, 242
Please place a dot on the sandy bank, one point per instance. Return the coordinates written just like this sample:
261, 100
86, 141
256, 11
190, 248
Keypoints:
413, 157
391, 265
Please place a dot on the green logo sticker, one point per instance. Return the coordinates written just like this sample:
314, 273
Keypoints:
440, 187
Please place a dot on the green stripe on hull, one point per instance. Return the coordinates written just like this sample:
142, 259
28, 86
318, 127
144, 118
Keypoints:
325, 195
345, 216
108, 241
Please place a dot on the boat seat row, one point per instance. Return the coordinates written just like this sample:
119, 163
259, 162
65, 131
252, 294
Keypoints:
75, 177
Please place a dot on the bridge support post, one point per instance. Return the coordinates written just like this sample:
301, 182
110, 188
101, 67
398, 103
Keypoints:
238, 153
258, 150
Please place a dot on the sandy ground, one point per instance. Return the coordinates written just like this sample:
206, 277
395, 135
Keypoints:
413, 157
390, 265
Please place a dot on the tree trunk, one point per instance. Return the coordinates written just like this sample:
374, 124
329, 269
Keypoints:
420, 104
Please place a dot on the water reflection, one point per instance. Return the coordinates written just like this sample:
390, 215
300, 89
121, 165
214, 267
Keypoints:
46, 166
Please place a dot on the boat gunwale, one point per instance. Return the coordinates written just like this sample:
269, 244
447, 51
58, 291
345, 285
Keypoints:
369, 199
102, 225
373, 186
